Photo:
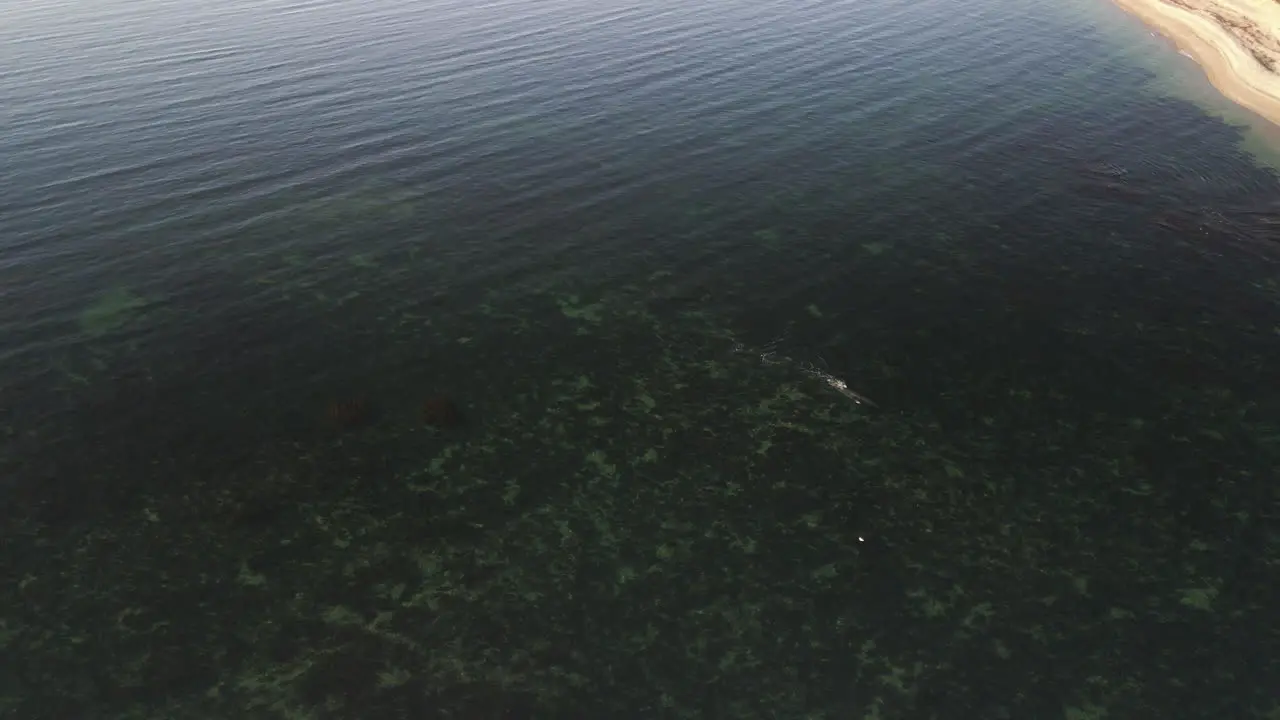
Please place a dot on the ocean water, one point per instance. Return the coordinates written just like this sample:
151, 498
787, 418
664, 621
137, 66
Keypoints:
562, 359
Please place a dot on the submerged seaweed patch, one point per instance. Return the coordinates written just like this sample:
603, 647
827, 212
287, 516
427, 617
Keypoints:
111, 311
653, 519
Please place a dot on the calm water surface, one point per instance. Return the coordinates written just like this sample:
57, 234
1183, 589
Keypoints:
835, 359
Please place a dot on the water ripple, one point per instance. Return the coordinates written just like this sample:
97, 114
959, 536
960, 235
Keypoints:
147, 128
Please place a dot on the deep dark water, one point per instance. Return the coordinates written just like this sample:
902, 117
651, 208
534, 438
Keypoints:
1061, 504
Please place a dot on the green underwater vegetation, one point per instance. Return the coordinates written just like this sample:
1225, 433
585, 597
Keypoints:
111, 311
648, 517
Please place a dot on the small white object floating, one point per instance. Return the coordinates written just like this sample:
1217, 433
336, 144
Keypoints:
843, 388
838, 385
770, 357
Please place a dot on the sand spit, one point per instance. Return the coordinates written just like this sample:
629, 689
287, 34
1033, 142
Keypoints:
1237, 42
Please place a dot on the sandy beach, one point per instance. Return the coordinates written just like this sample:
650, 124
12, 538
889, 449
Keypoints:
1237, 42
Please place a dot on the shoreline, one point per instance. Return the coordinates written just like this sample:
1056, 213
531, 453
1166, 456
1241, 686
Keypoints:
1235, 42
